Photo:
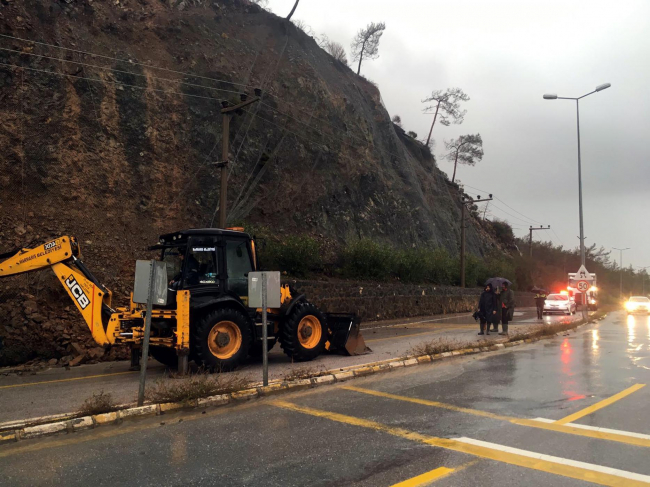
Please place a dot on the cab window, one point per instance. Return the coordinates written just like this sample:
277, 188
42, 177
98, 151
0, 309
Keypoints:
201, 265
238, 259
238, 265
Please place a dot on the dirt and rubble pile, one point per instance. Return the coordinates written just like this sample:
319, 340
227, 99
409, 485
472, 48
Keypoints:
116, 151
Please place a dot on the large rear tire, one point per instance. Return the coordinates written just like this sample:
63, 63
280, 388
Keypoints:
304, 332
166, 356
222, 339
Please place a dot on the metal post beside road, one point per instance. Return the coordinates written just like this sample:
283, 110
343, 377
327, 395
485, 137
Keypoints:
620, 293
147, 335
265, 336
462, 243
264, 292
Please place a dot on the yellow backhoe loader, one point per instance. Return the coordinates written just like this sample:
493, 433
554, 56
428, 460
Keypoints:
206, 318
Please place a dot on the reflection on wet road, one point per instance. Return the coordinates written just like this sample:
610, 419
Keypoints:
567, 411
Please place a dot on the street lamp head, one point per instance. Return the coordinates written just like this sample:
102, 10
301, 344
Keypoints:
603, 86
550, 96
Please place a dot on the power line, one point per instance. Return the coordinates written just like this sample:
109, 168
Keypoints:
117, 83
334, 137
151, 66
510, 214
129, 61
506, 204
518, 212
116, 70
347, 134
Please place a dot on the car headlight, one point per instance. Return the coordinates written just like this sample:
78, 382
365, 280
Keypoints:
630, 306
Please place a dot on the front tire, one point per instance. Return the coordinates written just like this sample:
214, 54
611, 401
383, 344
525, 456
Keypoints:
304, 332
222, 340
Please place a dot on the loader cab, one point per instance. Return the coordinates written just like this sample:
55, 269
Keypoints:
208, 261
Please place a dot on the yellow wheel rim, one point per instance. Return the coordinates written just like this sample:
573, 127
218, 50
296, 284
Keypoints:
224, 340
309, 332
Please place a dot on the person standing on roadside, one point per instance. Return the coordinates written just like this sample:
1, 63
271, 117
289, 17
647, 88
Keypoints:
540, 299
507, 307
488, 307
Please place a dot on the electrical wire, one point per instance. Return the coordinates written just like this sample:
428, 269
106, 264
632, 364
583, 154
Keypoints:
136, 63
129, 61
117, 83
510, 214
106, 68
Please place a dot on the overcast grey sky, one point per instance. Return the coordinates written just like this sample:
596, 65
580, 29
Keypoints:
505, 55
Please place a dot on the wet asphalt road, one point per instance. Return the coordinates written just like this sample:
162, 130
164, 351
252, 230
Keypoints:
28, 396
462, 422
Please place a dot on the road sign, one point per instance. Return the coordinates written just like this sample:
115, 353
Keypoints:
583, 286
583, 274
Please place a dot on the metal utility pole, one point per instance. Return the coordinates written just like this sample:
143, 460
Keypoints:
643, 279
620, 295
462, 233
530, 240
555, 97
225, 136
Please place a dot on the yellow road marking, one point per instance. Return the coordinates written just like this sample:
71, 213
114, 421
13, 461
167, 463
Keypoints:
600, 405
435, 474
559, 428
553, 467
425, 478
426, 402
67, 380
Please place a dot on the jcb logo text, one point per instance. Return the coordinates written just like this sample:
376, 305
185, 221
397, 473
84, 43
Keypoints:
77, 292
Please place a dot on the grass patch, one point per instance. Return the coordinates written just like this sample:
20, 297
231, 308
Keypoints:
189, 388
436, 346
98, 404
305, 372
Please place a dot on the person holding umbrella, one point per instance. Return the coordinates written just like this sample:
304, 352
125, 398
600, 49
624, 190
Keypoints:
488, 307
506, 302
507, 299
540, 299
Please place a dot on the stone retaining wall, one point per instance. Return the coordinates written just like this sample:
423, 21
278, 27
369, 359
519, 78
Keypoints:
383, 301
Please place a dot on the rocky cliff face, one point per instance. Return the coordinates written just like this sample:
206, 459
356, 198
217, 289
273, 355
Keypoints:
119, 146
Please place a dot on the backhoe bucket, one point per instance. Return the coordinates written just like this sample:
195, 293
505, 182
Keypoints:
346, 333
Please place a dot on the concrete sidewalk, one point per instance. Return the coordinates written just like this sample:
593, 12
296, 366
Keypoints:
58, 390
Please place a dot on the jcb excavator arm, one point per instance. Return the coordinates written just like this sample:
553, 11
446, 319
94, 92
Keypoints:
92, 299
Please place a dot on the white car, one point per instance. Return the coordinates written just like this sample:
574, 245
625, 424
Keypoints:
638, 304
559, 303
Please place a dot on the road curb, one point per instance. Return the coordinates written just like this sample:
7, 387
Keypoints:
14, 431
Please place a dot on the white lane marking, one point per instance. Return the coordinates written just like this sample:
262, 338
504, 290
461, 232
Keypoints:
596, 428
563, 461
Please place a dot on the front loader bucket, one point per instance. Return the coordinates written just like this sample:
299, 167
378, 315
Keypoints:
346, 333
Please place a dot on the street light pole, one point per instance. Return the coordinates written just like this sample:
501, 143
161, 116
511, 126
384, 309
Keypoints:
620, 295
643, 279
555, 97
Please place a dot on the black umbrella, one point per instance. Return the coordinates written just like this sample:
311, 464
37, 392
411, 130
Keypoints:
538, 290
497, 282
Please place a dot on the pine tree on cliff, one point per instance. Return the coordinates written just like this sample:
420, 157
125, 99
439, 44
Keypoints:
366, 43
466, 149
